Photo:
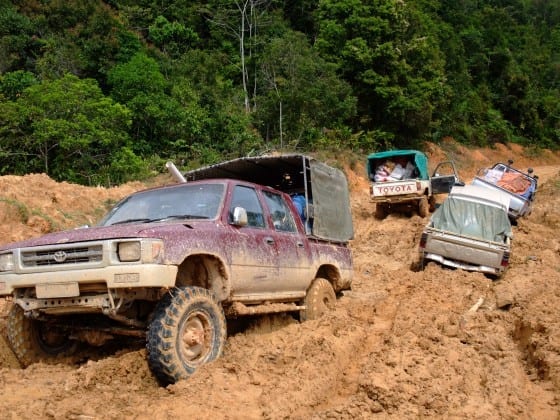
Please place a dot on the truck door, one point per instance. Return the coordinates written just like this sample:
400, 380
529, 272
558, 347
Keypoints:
444, 178
293, 246
254, 249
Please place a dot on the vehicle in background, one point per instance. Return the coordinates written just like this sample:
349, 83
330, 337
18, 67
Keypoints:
470, 230
400, 181
170, 264
521, 187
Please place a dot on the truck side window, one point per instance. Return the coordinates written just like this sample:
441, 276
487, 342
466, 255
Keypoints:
246, 197
281, 215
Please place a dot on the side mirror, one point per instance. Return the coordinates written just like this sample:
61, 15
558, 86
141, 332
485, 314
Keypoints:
239, 217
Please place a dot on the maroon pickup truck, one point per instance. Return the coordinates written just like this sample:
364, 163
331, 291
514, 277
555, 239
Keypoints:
172, 263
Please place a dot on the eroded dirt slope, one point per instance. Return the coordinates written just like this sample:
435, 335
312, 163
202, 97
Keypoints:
401, 344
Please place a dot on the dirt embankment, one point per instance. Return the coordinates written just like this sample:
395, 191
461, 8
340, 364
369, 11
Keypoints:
402, 344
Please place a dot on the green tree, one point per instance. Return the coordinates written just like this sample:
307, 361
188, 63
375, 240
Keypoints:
302, 95
68, 129
384, 50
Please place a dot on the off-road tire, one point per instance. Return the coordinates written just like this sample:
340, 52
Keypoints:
320, 298
381, 211
423, 207
188, 329
34, 341
432, 203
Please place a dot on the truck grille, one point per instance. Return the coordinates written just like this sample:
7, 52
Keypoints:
62, 256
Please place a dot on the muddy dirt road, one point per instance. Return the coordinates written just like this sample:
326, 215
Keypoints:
401, 344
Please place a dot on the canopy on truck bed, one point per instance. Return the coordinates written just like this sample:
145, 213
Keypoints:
474, 211
416, 157
322, 185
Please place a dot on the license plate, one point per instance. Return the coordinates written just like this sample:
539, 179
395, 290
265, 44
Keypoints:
394, 189
54, 290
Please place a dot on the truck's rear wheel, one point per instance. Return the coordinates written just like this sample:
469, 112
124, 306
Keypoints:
432, 203
35, 341
423, 207
188, 330
381, 210
320, 298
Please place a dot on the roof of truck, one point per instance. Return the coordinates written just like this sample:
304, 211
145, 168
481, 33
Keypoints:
277, 171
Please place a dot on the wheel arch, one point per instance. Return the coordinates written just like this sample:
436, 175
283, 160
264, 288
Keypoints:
331, 273
206, 271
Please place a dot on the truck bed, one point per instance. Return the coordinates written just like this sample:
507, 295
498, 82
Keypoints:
519, 205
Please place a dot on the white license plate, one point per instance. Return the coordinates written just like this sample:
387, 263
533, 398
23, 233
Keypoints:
55, 290
380, 190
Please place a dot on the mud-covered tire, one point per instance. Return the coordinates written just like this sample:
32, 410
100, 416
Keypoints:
423, 207
188, 329
320, 298
34, 341
381, 211
432, 203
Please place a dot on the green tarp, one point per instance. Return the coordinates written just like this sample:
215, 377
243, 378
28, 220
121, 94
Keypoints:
472, 218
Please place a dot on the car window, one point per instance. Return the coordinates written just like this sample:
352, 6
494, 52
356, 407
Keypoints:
281, 215
246, 197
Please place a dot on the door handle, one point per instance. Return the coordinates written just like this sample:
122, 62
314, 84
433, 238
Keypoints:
269, 240
299, 244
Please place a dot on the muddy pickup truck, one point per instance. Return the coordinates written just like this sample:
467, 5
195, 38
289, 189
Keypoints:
470, 230
171, 264
519, 186
400, 182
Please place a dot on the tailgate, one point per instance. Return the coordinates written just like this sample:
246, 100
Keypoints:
454, 247
384, 189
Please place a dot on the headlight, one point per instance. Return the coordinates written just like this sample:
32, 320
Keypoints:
129, 251
146, 251
6, 262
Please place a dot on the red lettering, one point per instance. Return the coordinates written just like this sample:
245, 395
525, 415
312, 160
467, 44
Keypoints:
393, 189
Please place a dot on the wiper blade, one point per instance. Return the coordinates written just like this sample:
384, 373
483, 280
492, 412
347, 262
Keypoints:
180, 216
122, 222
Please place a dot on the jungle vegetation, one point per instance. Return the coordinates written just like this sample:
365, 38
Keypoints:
102, 92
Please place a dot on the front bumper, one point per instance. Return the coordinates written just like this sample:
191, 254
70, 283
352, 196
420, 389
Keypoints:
68, 283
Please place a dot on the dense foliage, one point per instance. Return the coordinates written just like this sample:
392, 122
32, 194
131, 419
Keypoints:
104, 91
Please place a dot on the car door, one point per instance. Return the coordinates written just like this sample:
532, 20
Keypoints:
253, 248
444, 178
293, 247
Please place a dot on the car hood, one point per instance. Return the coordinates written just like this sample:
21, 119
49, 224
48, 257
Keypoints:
146, 230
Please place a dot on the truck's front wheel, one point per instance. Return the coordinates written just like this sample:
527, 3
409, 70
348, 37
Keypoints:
320, 298
423, 207
188, 329
34, 341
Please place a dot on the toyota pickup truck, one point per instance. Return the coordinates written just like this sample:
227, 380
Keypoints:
172, 263
519, 186
471, 230
400, 182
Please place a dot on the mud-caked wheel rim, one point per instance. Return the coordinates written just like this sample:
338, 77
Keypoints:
196, 334
320, 299
188, 329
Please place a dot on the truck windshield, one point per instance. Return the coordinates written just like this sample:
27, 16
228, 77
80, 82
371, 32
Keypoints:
188, 201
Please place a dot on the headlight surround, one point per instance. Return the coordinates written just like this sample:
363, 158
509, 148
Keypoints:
145, 251
7, 262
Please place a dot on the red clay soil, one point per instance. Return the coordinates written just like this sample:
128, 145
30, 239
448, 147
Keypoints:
402, 344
